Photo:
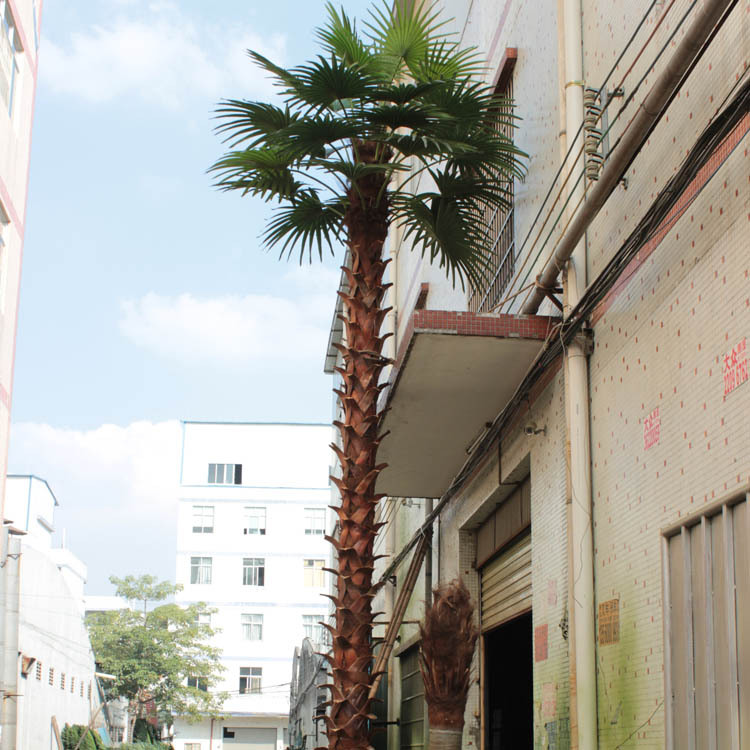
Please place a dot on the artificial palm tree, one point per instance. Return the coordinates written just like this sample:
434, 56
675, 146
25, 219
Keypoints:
389, 125
448, 637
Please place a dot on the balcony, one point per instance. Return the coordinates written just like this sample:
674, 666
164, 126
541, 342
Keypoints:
454, 372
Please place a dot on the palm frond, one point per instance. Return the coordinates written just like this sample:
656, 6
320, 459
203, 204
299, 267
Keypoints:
326, 81
339, 38
243, 121
309, 136
402, 33
283, 77
394, 116
402, 93
445, 60
450, 231
306, 223
263, 172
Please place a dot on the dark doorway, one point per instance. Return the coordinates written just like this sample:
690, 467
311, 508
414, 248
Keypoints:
509, 691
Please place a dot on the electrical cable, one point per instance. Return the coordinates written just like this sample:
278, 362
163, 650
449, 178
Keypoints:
713, 135
602, 89
620, 111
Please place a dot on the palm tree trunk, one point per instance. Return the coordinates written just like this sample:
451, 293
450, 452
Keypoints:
351, 658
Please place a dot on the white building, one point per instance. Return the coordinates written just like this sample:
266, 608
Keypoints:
19, 42
48, 666
252, 516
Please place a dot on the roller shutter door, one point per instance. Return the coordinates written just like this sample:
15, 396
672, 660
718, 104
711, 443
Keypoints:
506, 584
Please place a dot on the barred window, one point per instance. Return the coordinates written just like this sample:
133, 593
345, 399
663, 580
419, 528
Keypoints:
501, 260
39, 670
51, 676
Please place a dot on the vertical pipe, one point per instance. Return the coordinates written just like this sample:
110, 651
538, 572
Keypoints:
10, 614
581, 575
390, 601
428, 506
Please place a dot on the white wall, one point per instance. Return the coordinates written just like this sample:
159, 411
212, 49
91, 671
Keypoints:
52, 631
284, 470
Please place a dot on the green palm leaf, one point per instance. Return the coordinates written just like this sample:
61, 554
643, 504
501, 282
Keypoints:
244, 121
264, 172
339, 38
306, 223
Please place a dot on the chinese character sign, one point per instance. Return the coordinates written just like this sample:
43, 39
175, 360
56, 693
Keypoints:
651, 429
735, 367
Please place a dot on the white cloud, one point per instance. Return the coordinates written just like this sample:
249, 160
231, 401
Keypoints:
159, 54
241, 331
117, 488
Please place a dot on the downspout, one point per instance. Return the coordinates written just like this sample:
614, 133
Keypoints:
580, 533
211, 732
428, 508
390, 601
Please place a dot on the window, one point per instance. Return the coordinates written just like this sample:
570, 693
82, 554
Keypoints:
62, 680
253, 571
200, 569
192, 746
203, 519
199, 683
314, 574
72, 684
39, 671
51, 676
204, 618
311, 625
250, 679
10, 44
707, 618
89, 691
501, 260
225, 473
315, 521
252, 627
81, 686
255, 520
412, 731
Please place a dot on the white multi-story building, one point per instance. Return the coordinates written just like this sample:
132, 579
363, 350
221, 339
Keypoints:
250, 543
48, 667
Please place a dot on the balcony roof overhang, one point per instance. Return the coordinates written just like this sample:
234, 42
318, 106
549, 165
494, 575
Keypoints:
454, 373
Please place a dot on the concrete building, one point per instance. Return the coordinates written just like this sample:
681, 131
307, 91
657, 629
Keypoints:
19, 43
588, 480
252, 515
49, 677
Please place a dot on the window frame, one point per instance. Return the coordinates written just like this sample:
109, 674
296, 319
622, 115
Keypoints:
500, 221
251, 682
199, 683
316, 572
315, 521
257, 568
202, 516
9, 32
198, 570
234, 471
251, 626
260, 530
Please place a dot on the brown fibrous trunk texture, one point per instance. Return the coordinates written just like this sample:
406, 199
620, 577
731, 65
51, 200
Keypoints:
448, 636
350, 659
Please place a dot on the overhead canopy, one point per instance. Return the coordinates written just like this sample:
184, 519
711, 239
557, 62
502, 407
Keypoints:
454, 373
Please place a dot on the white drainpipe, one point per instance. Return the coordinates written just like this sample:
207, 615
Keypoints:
581, 576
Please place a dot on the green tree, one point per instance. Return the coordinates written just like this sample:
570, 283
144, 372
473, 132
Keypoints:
161, 656
392, 125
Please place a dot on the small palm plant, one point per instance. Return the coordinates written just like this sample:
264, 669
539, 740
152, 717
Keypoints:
392, 125
448, 637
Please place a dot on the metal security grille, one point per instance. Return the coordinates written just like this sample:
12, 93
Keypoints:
506, 584
501, 260
412, 701
707, 622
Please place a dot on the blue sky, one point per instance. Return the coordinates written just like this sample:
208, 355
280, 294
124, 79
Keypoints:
145, 294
